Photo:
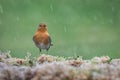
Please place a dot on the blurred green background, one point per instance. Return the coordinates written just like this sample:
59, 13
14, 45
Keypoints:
77, 27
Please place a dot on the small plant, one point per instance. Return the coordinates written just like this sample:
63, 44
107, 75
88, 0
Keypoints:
108, 61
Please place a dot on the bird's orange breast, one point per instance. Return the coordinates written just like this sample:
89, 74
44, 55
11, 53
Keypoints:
41, 37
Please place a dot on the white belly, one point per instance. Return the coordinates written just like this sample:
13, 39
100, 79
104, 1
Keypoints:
42, 46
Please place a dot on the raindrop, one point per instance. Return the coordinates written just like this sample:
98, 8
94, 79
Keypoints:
111, 21
103, 22
75, 51
51, 8
119, 16
65, 30
15, 38
1, 9
18, 18
113, 9
0, 22
95, 18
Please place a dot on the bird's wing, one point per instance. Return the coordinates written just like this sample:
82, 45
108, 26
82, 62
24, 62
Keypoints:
33, 38
50, 40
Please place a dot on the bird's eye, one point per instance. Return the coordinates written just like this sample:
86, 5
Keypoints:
40, 25
44, 25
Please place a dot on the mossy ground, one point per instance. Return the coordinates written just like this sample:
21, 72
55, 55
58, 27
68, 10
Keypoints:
47, 67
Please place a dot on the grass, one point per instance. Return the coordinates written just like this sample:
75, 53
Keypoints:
82, 27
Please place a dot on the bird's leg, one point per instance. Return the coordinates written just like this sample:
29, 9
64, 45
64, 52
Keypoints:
47, 50
39, 49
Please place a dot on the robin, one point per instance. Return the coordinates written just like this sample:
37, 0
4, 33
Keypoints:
42, 38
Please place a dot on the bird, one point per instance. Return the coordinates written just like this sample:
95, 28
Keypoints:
42, 38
